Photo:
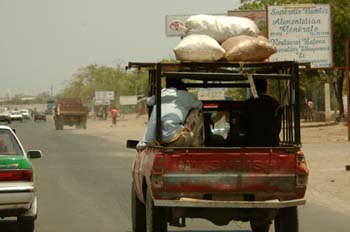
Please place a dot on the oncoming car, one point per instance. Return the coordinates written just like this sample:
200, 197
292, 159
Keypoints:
17, 181
39, 116
5, 115
25, 114
16, 116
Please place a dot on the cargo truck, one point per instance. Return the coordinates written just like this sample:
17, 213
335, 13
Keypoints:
70, 112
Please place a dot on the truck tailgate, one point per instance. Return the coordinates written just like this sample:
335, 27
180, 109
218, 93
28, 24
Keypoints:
226, 174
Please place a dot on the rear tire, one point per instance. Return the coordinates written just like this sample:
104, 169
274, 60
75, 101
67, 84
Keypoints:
287, 220
138, 212
26, 224
261, 227
155, 216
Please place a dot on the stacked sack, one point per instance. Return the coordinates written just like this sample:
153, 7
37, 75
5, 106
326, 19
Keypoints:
211, 38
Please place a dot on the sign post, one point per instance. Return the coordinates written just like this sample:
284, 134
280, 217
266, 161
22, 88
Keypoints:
347, 84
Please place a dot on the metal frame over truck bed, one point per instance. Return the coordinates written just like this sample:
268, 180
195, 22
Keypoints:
228, 74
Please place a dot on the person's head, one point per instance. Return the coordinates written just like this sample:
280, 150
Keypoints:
260, 85
175, 83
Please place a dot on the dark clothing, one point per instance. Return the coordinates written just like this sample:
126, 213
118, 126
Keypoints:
260, 120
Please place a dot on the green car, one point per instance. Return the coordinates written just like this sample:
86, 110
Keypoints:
17, 185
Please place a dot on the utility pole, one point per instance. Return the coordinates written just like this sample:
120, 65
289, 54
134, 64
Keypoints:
347, 84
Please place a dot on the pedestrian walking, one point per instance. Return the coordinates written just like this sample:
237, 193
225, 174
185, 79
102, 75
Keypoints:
310, 106
114, 115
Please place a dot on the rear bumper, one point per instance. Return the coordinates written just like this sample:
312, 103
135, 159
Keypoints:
197, 203
17, 197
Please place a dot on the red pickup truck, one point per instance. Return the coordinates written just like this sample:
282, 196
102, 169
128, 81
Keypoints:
222, 180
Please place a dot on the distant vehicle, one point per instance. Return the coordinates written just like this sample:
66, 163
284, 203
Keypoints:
39, 116
25, 113
16, 116
5, 115
51, 105
71, 112
17, 182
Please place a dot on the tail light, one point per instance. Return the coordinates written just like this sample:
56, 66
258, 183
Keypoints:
157, 171
302, 172
16, 175
158, 164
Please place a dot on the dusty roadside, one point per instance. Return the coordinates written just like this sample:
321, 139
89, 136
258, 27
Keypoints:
328, 151
326, 148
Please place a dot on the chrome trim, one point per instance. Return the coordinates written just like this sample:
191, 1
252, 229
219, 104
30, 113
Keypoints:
18, 189
198, 203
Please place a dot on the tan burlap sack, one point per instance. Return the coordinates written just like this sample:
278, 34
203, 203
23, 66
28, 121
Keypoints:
192, 134
248, 48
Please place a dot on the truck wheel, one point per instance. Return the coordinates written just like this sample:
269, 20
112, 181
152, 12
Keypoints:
260, 227
9, 122
287, 220
26, 224
155, 216
138, 212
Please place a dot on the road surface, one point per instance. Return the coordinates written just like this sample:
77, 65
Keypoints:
84, 185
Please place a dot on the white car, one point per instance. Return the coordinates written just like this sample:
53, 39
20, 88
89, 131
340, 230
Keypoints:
17, 181
5, 115
16, 115
25, 114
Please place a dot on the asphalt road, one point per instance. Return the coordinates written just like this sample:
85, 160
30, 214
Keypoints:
84, 185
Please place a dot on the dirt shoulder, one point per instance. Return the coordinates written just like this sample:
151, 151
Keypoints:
326, 148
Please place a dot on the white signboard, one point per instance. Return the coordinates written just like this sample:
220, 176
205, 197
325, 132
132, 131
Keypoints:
211, 94
301, 33
175, 25
104, 95
128, 100
101, 102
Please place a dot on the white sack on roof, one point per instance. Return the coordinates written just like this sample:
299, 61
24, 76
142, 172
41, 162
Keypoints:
199, 48
248, 48
220, 27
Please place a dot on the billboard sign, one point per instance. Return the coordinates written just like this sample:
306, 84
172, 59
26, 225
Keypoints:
101, 102
301, 33
175, 25
104, 95
128, 100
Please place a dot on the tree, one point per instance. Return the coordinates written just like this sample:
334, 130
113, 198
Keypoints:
93, 78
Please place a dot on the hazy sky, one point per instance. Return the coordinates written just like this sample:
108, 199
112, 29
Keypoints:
44, 42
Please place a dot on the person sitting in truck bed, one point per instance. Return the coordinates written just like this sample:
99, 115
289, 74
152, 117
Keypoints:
181, 118
260, 119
